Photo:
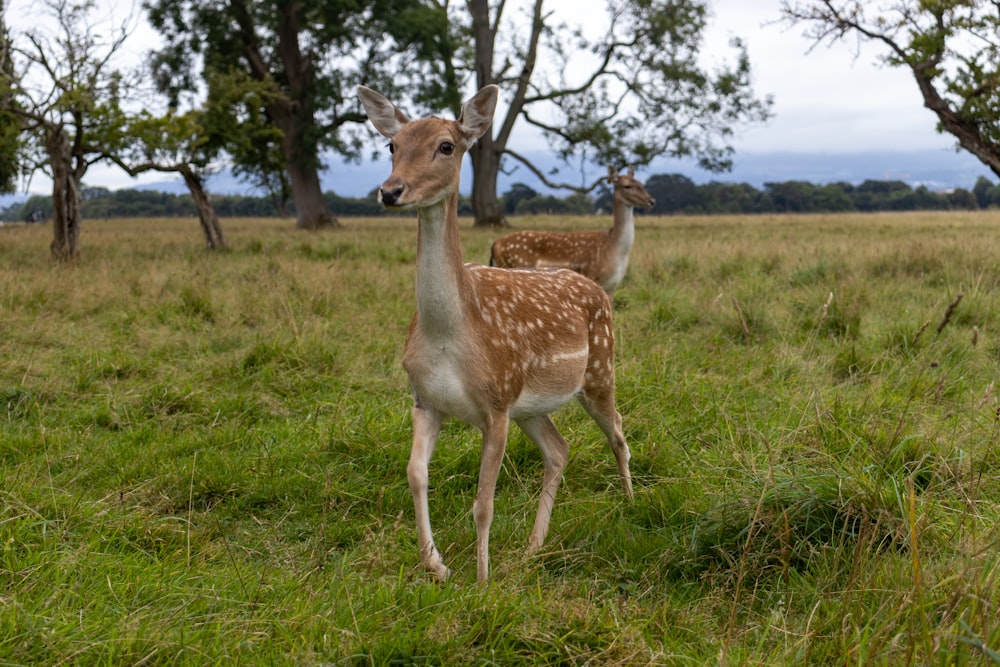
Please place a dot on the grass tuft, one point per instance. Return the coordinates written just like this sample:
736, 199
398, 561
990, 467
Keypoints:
787, 524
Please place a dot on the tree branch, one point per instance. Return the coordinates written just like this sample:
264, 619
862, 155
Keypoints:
524, 78
258, 67
134, 170
544, 179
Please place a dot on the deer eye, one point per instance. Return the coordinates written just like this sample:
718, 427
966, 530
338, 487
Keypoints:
392, 149
447, 148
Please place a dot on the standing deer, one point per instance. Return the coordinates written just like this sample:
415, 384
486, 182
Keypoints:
488, 346
602, 256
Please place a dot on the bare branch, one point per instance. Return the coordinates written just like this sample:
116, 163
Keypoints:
544, 179
524, 78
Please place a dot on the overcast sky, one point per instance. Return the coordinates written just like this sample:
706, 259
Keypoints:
829, 99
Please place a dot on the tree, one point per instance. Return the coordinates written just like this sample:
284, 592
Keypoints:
634, 93
174, 143
960, 198
833, 197
672, 192
518, 192
67, 94
792, 196
716, 197
303, 60
981, 190
951, 47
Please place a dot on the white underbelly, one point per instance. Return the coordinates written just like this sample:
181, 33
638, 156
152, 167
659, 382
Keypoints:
443, 390
530, 404
440, 382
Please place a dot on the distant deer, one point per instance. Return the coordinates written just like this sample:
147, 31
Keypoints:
488, 346
602, 256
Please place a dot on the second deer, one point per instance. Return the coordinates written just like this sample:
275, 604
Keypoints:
602, 256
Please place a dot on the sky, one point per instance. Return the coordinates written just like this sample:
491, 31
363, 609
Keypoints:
827, 98
835, 99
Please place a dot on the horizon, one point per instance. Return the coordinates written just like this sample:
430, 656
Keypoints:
936, 169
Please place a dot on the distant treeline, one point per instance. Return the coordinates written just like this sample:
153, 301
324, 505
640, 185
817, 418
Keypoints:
678, 194
101, 203
674, 193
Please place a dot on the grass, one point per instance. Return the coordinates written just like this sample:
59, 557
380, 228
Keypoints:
202, 455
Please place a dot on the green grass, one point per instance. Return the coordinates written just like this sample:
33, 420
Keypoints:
202, 455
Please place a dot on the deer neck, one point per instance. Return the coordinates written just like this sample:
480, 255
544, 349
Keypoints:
622, 234
442, 280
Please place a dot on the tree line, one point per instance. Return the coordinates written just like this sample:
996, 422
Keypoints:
678, 194
674, 194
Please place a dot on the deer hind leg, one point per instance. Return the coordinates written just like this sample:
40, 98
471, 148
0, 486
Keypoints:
601, 408
555, 454
426, 426
494, 445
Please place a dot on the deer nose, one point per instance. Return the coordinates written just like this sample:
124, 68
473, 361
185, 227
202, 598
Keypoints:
390, 197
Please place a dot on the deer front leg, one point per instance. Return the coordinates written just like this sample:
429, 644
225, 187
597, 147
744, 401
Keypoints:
494, 445
426, 426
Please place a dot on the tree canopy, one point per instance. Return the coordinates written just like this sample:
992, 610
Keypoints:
636, 90
291, 66
273, 84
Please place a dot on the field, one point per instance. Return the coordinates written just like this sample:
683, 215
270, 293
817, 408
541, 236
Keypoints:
202, 455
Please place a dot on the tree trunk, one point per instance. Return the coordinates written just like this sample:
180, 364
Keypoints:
293, 112
295, 121
486, 152
301, 151
66, 215
485, 172
206, 212
311, 209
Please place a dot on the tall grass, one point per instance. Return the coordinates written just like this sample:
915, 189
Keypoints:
202, 455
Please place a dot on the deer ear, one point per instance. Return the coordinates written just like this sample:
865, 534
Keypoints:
384, 115
631, 171
612, 174
477, 113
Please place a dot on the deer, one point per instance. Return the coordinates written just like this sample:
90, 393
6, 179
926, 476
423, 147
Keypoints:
488, 346
602, 256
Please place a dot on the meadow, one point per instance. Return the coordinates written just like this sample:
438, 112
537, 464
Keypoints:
202, 455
